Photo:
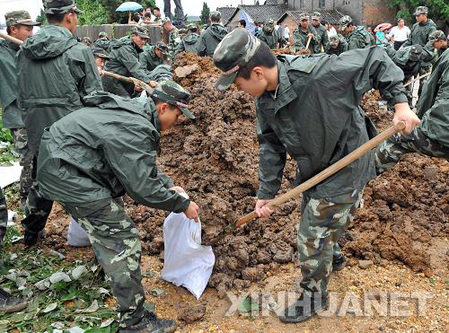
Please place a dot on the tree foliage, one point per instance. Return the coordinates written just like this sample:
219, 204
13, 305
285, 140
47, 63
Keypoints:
94, 13
438, 9
205, 13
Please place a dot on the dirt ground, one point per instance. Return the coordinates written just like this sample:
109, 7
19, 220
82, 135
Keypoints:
400, 233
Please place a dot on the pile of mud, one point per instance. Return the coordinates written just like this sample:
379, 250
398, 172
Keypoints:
215, 159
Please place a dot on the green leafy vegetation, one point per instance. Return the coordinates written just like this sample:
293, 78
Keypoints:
438, 9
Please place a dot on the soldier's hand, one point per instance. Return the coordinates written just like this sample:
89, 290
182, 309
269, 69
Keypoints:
137, 88
177, 189
403, 113
153, 84
310, 35
192, 211
262, 209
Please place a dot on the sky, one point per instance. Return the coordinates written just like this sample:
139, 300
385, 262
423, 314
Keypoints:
193, 7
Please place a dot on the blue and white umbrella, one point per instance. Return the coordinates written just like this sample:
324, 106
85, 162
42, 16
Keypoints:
129, 6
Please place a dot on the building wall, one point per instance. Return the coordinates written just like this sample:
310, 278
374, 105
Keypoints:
376, 12
234, 22
292, 25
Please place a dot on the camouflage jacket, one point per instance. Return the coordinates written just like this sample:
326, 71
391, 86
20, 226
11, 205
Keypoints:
149, 59
342, 46
320, 46
297, 119
271, 39
124, 60
55, 73
161, 73
433, 105
300, 38
104, 150
210, 38
419, 33
173, 41
12, 115
358, 39
188, 43
103, 44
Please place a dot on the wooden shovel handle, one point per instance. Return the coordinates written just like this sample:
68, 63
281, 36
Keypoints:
334, 168
7, 37
133, 80
308, 42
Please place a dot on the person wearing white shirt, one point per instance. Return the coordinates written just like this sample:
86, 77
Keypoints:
399, 34
286, 32
331, 32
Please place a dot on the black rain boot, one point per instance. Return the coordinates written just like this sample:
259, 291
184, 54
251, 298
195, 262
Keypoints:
151, 323
9, 303
304, 308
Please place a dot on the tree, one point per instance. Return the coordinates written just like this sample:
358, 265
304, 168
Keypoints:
438, 9
205, 13
94, 13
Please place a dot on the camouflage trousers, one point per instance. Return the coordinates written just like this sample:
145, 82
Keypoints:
26, 161
116, 244
37, 207
3, 211
322, 224
390, 152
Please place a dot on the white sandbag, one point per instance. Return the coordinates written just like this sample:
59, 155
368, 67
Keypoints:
77, 236
187, 263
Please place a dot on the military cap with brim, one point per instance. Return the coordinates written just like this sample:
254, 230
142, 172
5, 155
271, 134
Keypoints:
234, 51
421, 10
316, 15
436, 36
19, 17
303, 16
215, 15
54, 7
173, 94
344, 21
103, 34
141, 31
100, 53
162, 47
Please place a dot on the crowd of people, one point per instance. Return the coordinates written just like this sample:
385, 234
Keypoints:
86, 138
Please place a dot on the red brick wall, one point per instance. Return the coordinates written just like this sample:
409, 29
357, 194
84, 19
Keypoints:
377, 11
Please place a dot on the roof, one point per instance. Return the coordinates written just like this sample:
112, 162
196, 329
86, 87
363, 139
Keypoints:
271, 2
259, 13
226, 13
331, 16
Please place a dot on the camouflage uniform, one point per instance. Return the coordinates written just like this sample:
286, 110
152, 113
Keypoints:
431, 137
295, 120
149, 59
271, 36
321, 31
12, 114
420, 32
105, 150
211, 36
300, 37
104, 44
124, 60
188, 43
161, 73
53, 50
359, 38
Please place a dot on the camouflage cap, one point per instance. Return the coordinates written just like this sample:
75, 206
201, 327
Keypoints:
421, 10
303, 16
141, 31
103, 34
100, 53
174, 94
215, 15
344, 21
60, 7
415, 52
192, 27
19, 17
162, 47
316, 15
334, 41
436, 36
269, 24
234, 51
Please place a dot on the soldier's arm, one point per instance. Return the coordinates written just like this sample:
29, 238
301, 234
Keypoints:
133, 65
143, 59
272, 158
297, 42
201, 46
89, 80
135, 167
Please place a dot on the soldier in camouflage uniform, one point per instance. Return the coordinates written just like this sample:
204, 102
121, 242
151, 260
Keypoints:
55, 73
437, 41
173, 36
154, 55
431, 137
189, 42
321, 31
161, 73
302, 35
336, 45
89, 159
422, 29
271, 36
294, 94
357, 37
212, 36
103, 41
20, 26
124, 60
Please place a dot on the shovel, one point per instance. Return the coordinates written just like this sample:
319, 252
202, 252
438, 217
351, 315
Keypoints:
334, 168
